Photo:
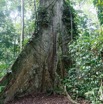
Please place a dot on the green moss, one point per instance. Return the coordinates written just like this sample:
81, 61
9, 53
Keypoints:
43, 19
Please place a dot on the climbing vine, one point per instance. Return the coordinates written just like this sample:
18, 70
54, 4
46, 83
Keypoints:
43, 17
70, 20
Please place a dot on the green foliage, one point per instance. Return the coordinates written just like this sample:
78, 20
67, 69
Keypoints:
1, 88
98, 41
84, 78
93, 96
10, 30
70, 19
8, 38
99, 5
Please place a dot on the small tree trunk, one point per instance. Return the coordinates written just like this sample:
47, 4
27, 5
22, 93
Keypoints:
35, 70
22, 25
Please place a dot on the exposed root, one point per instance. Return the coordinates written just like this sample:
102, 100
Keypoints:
68, 96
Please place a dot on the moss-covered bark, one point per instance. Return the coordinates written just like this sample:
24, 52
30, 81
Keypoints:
35, 70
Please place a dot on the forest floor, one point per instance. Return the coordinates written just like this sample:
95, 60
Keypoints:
45, 99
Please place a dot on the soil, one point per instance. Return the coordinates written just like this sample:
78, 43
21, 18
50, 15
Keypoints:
44, 99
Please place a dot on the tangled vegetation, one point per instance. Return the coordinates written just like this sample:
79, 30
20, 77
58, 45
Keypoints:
70, 19
85, 77
99, 5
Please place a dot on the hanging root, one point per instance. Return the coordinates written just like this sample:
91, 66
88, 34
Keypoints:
68, 96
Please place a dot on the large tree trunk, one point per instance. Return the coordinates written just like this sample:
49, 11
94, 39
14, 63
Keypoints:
35, 70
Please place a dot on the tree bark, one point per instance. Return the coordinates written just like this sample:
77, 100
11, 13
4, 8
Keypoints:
35, 70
